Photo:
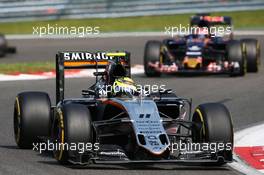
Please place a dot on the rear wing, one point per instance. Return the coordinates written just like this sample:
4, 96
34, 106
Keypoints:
211, 20
85, 60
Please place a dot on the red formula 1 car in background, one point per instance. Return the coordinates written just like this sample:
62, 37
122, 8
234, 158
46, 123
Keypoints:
206, 50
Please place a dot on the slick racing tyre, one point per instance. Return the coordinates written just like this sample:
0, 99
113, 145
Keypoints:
3, 45
2, 52
213, 124
152, 55
235, 54
32, 118
252, 53
71, 126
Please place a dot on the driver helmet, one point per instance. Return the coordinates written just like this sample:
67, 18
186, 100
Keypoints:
114, 71
124, 86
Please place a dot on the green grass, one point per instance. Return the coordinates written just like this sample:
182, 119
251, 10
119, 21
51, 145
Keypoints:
242, 20
28, 67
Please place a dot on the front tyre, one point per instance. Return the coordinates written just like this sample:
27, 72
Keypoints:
72, 126
152, 54
213, 124
32, 118
252, 53
235, 56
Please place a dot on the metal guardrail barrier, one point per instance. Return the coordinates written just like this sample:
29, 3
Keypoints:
25, 10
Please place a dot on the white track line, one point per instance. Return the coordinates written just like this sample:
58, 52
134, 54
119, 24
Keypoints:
252, 136
240, 166
118, 34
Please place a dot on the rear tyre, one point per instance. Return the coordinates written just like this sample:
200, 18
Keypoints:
3, 45
252, 53
235, 55
2, 52
152, 55
214, 125
71, 126
32, 118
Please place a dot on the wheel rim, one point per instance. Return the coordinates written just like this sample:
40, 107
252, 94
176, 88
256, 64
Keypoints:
198, 118
58, 136
17, 121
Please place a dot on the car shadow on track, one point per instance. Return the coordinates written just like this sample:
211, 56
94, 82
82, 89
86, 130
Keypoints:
9, 146
165, 167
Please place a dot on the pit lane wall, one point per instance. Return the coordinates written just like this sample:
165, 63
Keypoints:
27, 10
